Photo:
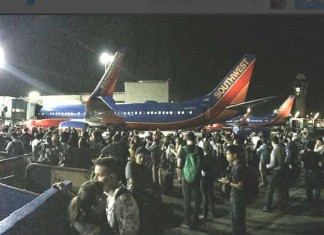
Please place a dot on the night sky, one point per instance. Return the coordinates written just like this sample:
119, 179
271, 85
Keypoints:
60, 54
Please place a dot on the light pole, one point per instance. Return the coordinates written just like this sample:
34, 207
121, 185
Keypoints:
106, 59
314, 118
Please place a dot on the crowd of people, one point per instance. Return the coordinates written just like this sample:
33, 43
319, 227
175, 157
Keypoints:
130, 173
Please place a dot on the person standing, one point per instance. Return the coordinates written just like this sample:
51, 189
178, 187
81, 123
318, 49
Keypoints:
236, 181
264, 153
311, 162
122, 210
190, 154
277, 163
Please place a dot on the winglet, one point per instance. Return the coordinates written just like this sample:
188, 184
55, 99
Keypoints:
106, 86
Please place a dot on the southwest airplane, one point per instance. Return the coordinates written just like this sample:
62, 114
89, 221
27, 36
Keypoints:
101, 109
247, 120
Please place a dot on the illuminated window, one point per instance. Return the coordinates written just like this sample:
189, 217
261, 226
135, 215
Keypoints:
182, 112
135, 112
167, 112
163, 112
140, 112
159, 112
171, 112
178, 112
190, 112
155, 112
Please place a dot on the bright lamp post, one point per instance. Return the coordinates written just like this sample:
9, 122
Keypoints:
314, 118
33, 95
105, 58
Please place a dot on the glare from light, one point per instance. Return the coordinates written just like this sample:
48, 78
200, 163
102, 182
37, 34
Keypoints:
2, 59
275, 111
297, 114
316, 116
105, 58
249, 110
33, 95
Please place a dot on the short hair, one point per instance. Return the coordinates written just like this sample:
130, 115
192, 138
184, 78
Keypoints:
234, 149
275, 139
111, 165
190, 136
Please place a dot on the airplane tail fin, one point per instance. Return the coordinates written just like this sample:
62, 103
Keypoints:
233, 88
107, 83
285, 109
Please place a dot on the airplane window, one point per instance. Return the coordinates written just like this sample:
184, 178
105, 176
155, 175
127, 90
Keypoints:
190, 112
159, 112
166, 112
182, 112
178, 112
140, 112
135, 112
128, 113
163, 112
155, 112
124, 113
78, 113
132, 113
171, 112
148, 112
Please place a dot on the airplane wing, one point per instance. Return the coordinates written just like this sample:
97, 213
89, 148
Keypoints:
242, 107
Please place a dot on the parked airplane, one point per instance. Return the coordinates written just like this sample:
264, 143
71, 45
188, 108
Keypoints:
248, 120
101, 109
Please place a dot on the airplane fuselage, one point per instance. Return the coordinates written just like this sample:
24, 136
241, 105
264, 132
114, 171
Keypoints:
101, 107
144, 116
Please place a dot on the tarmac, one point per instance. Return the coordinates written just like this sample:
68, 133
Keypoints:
295, 218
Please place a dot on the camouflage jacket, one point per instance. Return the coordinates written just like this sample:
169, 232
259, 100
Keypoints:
123, 213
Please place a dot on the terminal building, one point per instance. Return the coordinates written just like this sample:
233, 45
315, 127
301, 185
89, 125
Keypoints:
17, 110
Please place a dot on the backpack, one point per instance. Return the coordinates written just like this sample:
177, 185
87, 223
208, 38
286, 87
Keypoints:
251, 188
190, 169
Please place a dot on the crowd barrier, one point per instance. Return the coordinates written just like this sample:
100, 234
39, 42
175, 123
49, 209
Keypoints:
12, 170
44, 214
40, 177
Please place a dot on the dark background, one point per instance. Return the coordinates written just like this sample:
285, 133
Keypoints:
60, 54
